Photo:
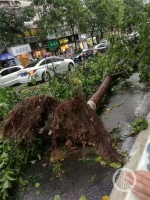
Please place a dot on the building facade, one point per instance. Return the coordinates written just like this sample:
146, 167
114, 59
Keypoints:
146, 1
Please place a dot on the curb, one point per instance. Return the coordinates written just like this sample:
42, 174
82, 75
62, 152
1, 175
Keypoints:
137, 161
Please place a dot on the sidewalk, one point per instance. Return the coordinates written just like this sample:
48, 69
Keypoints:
138, 161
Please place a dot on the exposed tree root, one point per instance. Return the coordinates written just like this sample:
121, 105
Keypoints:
66, 123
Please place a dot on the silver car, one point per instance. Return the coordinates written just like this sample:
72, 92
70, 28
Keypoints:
8, 76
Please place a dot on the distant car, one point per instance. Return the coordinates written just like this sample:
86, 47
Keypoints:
8, 76
102, 47
44, 69
81, 55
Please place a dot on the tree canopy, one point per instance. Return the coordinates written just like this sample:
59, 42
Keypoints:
12, 23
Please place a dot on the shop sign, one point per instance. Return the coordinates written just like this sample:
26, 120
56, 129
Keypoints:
72, 38
53, 44
18, 50
30, 40
28, 33
63, 41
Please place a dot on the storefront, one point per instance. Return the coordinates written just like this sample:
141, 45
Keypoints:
69, 40
22, 54
91, 42
63, 44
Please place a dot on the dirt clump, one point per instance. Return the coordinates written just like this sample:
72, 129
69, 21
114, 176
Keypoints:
68, 123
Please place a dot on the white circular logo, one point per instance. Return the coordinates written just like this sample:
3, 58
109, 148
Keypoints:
122, 185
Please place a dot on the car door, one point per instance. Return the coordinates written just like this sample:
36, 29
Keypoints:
4, 77
60, 64
13, 72
50, 66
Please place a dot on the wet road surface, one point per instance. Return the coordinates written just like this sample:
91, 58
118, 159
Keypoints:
90, 178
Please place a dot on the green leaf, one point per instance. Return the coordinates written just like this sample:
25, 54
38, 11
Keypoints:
103, 162
7, 184
37, 185
124, 153
3, 179
39, 156
38, 192
10, 178
33, 161
83, 198
98, 159
57, 197
2, 164
4, 155
115, 165
21, 181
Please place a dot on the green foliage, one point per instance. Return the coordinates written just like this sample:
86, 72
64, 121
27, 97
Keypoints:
57, 197
82, 198
8, 99
139, 125
12, 23
102, 162
13, 159
115, 165
60, 16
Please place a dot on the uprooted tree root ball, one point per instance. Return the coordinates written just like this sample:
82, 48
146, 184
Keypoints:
70, 123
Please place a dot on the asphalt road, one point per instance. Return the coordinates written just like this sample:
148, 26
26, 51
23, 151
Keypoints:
132, 100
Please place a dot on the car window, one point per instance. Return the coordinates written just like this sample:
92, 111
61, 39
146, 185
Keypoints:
48, 60
56, 59
5, 72
19, 68
14, 69
101, 45
32, 64
43, 62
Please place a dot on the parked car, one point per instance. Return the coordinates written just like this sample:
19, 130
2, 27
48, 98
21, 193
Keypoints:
8, 76
82, 55
101, 47
44, 69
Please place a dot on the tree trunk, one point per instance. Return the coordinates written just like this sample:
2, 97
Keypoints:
102, 35
92, 37
99, 94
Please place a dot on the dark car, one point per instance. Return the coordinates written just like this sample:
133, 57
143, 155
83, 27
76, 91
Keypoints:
82, 55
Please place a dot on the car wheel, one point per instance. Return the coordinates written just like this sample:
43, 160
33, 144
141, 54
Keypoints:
70, 66
46, 77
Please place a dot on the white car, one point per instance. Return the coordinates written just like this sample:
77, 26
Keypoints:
43, 70
8, 76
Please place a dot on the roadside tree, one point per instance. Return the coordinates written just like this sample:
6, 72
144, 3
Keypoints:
12, 23
61, 17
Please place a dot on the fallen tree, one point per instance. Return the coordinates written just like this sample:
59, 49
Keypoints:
68, 123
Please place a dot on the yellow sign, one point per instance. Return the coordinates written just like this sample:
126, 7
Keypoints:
63, 41
28, 33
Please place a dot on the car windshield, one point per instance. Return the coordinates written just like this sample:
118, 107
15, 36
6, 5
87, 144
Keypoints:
32, 64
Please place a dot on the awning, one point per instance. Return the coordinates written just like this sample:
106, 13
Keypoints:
6, 56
